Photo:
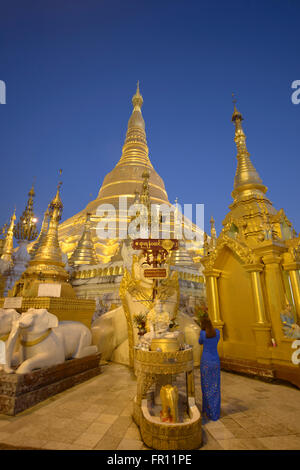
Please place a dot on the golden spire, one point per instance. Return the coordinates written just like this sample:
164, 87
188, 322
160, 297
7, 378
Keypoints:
49, 250
85, 252
3, 232
246, 176
137, 99
42, 233
25, 229
47, 264
135, 149
8, 243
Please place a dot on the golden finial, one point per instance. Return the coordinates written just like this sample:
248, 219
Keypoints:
137, 99
236, 114
56, 202
26, 229
246, 174
31, 193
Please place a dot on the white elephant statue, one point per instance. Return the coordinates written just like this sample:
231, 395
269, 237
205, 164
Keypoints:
44, 341
110, 334
7, 317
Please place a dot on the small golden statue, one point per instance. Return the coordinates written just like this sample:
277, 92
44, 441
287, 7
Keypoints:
169, 400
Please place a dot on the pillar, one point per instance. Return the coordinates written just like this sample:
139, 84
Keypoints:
262, 328
293, 270
271, 257
213, 304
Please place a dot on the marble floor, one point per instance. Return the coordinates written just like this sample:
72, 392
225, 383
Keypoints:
97, 415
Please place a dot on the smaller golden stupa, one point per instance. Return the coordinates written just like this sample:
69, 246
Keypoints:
8, 245
45, 282
85, 253
47, 265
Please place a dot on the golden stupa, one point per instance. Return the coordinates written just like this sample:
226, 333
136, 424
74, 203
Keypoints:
85, 253
8, 245
124, 180
47, 264
45, 283
252, 277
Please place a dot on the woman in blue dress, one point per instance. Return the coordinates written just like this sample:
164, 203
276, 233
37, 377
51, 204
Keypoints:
210, 370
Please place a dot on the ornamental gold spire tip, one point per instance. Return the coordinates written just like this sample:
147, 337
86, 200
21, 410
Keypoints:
26, 229
236, 114
246, 174
56, 201
137, 99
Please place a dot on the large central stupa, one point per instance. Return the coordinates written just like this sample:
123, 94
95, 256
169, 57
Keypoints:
124, 180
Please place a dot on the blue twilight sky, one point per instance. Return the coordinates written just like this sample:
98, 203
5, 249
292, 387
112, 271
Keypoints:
71, 67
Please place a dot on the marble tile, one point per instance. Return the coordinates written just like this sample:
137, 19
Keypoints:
100, 410
217, 430
108, 443
98, 429
87, 440
55, 445
130, 444
3, 422
208, 442
241, 444
133, 433
25, 441
106, 418
88, 416
4, 436
291, 442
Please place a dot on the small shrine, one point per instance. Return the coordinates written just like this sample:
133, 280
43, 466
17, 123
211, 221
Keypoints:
167, 416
